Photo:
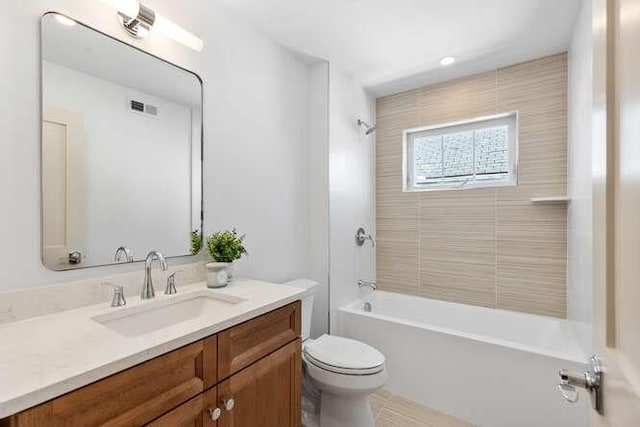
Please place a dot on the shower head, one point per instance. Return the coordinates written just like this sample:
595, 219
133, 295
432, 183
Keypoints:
368, 129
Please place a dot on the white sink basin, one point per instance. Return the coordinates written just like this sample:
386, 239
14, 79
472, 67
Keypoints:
166, 312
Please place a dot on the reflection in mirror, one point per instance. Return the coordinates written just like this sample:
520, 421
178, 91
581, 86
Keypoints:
121, 150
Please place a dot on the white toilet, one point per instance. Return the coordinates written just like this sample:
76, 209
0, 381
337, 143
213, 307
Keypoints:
344, 372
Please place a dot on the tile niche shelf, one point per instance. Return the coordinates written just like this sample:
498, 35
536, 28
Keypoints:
555, 200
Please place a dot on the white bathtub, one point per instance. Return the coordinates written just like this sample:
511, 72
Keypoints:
490, 367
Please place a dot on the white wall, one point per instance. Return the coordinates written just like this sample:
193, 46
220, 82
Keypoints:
137, 173
256, 120
351, 184
579, 241
255, 158
319, 194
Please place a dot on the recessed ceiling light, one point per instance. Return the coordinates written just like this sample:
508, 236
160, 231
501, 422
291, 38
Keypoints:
65, 21
447, 60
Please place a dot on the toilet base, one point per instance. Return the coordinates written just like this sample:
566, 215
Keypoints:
345, 411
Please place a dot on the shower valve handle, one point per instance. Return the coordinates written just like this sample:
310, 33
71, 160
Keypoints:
362, 236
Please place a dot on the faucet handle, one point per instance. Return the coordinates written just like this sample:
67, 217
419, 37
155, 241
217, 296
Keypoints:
118, 294
171, 283
362, 236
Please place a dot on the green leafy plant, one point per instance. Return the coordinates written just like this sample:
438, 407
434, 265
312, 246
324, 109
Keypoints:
226, 246
196, 241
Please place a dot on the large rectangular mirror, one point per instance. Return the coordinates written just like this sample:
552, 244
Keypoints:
121, 150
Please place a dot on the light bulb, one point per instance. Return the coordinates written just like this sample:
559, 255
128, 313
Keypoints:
129, 8
179, 34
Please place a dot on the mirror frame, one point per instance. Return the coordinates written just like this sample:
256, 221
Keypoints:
41, 116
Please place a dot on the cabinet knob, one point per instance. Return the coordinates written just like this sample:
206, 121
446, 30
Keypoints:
229, 404
215, 413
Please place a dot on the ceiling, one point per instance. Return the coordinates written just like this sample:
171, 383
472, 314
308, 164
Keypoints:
396, 45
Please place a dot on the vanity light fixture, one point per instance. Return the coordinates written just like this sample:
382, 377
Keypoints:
447, 60
138, 20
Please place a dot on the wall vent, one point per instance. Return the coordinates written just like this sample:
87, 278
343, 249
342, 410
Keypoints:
151, 109
137, 106
141, 107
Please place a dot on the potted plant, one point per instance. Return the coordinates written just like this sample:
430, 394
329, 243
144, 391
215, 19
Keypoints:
224, 247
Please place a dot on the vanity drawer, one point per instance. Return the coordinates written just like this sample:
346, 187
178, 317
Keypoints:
241, 345
132, 397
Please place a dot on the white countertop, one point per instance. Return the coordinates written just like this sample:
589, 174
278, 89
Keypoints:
47, 356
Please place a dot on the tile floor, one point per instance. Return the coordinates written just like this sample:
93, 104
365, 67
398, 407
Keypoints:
393, 411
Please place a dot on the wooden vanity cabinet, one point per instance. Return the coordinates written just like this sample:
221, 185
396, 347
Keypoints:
252, 372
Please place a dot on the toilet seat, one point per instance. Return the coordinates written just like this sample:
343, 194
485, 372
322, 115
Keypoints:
343, 356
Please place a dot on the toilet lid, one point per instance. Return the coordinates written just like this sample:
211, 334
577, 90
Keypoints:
344, 355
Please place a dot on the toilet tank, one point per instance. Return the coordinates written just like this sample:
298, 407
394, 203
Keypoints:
307, 303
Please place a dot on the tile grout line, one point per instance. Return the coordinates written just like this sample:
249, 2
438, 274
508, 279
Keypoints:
436, 419
495, 208
418, 221
495, 247
386, 402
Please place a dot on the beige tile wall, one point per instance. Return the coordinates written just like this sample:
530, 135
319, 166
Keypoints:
490, 247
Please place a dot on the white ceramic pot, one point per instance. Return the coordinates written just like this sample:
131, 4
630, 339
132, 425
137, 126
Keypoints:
218, 274
231, 271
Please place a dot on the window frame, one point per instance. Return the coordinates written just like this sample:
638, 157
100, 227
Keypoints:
511, 119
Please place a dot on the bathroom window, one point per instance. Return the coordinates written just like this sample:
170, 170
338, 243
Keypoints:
481, 152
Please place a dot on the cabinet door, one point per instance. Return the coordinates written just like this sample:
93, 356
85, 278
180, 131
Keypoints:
265, 394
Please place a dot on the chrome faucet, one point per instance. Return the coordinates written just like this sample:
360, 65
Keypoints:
128, 255
372, 284
147, 291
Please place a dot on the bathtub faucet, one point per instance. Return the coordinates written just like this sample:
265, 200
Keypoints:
362, 283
